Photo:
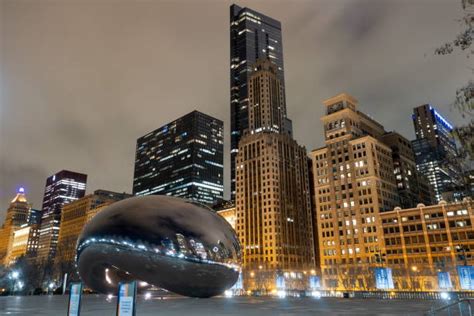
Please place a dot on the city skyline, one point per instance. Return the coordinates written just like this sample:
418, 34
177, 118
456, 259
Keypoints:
72, 129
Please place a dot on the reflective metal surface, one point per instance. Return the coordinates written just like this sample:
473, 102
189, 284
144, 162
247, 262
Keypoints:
181, 246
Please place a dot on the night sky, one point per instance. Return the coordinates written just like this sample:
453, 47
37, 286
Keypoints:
82, 80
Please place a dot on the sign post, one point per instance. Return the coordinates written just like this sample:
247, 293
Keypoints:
75, 294
126, 298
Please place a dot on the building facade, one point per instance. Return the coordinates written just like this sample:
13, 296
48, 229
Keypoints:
425, 240
435, 151
354, 183
411, 185
253, 36
74, 217
17, 215
183, 158
273, 208
19, 244
61, 188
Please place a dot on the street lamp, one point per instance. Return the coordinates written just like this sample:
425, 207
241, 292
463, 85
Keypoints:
415, 281
15, 275
50, 286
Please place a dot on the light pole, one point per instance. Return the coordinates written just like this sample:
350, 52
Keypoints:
415, 280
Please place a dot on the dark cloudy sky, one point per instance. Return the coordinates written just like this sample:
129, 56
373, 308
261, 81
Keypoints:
81, 80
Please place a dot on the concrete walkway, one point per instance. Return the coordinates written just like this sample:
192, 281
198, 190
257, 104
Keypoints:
100, 305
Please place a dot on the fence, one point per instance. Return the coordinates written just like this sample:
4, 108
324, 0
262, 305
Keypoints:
399, 295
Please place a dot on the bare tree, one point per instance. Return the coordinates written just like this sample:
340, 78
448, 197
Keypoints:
464, 100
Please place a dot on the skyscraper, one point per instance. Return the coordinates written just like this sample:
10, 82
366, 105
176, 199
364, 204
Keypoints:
273, 208
34, 222
17, 215
61, 189
435, 150
354, 182
411, 184
183, 158
252, 36
430, 125
19, 210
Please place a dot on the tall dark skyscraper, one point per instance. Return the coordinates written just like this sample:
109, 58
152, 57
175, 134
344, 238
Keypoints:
183, 158
435, 150
433, 127
61, 189
252, 36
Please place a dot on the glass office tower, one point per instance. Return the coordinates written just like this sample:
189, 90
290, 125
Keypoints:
435, 150
183, 158
252, 36
61, 189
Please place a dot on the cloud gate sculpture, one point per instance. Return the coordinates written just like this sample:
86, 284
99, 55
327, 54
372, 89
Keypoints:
181, 246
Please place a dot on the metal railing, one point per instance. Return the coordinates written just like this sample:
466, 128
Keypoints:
463, 306
401, 295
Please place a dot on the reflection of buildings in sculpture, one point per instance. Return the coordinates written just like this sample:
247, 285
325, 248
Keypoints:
421, 241
273, 214
61, 189
183, 245
74, 217
17, 215
195, 249
168, 246
220, 251
354, 182
199, 249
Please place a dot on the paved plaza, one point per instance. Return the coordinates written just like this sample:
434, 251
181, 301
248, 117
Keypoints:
261, 306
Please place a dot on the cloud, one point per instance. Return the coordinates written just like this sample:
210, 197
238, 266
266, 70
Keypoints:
82, 80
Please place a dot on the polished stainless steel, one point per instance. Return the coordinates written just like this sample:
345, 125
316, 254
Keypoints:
175, 244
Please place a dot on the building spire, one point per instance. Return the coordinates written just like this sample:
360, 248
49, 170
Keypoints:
20, 196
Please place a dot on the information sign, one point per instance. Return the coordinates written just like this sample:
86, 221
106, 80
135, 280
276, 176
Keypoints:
126, 298
74, 305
